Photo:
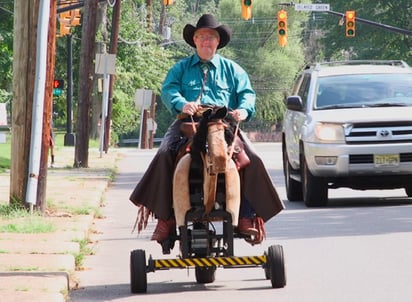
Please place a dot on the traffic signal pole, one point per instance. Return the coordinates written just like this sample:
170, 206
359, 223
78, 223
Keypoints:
69, 138
380, 25
360, 20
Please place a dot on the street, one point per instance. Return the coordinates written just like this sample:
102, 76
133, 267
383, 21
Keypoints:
355, 249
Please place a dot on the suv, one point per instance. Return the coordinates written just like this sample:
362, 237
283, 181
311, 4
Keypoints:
348, 124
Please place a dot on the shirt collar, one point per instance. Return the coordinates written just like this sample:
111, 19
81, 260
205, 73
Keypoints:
214, 61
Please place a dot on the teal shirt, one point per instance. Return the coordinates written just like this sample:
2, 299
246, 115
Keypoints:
227, 84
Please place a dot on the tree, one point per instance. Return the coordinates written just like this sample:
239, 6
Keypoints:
86, 74
370, 42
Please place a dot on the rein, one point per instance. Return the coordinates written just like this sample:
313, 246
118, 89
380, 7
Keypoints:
234, 139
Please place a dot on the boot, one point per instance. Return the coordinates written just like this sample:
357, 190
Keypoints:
245, 227
164, 229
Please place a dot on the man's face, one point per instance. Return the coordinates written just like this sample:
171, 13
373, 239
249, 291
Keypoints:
206, 41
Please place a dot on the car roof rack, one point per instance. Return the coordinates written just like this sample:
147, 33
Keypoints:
318, 66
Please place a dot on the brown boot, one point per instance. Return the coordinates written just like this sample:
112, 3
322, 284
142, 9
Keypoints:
259, 224
246, 227
164, 229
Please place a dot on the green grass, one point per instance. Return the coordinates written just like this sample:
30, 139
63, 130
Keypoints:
5, 149
5, 155
16, 219
13, 211
85, 250
30, 225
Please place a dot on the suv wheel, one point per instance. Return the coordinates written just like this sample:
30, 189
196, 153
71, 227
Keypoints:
314, 189
293, 187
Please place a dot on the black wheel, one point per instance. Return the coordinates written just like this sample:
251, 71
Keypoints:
408, 190
276, 266
205, 274
266, 268
293, 187
138, 275
315, 189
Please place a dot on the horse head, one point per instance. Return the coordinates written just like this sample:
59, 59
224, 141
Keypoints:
209, 150
210, 140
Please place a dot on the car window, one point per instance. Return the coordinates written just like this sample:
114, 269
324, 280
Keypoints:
364, 90
304, 89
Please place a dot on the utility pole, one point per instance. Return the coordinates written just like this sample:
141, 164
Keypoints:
48, 109
112, 50
86, 73
24, 55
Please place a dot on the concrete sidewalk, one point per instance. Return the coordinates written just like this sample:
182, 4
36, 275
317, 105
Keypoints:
42, 266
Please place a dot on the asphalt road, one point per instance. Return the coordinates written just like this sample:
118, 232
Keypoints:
355, 249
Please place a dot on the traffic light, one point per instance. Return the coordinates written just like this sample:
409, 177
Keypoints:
350, 23
283, 27
68, 19
58, 87
64, 29
75, 17
246, 9
167, 2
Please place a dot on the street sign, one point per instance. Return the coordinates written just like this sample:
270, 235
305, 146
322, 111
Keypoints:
318, 7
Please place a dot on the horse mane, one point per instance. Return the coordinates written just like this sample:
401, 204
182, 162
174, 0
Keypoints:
200, 138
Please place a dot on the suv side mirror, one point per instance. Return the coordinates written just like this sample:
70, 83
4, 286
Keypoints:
294, 102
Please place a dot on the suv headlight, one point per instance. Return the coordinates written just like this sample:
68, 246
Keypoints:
329, 132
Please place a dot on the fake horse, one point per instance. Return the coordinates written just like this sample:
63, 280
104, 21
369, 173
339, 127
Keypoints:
206, 192
210, 152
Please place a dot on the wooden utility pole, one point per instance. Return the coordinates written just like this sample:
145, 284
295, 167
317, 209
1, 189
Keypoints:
48, 108
114, 36
86, 74
24, 67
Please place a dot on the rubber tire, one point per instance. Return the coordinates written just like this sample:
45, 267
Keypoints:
205, 274
266, 268
315, 189
293, 187
138, 274
408, 190
276, 266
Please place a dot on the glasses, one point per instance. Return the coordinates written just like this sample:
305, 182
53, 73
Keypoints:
205, 37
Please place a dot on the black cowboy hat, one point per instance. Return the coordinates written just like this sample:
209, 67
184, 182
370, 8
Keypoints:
207, 21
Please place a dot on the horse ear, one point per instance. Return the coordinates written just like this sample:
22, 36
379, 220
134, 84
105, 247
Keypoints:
207, 113
221, 112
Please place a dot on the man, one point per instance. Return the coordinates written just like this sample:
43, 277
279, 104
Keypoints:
206, 78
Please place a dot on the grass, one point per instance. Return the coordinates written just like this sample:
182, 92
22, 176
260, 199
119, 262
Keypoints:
5, 155
85, 250
5, 149
31, 225
17, 219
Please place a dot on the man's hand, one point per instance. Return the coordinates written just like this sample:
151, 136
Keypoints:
191, 108
239, 114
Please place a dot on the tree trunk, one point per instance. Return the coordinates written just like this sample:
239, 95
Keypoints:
86, 74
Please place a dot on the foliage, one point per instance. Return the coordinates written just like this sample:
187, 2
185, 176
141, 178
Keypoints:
141, 63
255, 46
370, 42
146, 52
6, 50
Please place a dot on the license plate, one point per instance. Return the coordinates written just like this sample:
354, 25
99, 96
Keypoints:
386, 160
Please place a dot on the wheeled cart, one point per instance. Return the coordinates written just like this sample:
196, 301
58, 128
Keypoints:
205, 249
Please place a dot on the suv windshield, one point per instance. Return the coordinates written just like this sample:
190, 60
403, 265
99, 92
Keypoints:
364, 90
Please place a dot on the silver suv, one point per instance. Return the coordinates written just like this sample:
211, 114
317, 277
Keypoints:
348, 124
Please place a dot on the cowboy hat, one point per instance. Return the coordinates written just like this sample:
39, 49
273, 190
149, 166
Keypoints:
207, 21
